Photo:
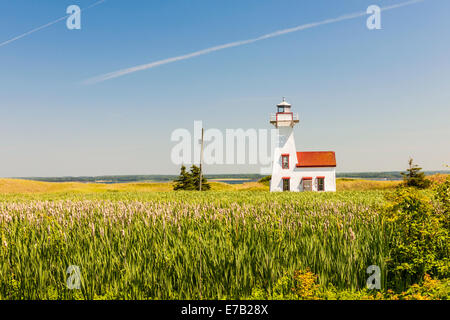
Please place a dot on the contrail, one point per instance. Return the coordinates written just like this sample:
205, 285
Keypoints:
45, 25
122, 72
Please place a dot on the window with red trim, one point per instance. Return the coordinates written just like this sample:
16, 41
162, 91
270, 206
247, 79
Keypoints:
285, 161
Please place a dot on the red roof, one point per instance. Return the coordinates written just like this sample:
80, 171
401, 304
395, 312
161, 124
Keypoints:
316, 159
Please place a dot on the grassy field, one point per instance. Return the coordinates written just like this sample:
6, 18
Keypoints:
139, 241
184, 245
10, 186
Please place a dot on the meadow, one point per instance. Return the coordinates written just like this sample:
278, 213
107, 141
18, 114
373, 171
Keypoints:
17, 186
139, 241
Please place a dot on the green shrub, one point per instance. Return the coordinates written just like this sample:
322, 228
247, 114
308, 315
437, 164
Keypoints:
419, 242
298, 285
431, 289
303, 285
265, 180
443, 202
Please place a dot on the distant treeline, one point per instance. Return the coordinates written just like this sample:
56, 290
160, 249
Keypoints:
138, 178
390, 175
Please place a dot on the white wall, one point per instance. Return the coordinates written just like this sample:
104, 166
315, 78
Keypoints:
329, 173
285, 145
298, 173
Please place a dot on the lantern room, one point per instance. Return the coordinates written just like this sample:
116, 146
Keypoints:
284, 116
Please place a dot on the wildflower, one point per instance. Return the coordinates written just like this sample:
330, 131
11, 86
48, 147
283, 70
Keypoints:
352, 234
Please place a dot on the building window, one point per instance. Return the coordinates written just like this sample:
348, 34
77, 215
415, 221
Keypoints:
286, 184
307, 184
285, 161
320, 183
280, 109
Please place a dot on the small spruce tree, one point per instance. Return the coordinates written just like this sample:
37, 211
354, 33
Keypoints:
184, 181
414, 177
195, 175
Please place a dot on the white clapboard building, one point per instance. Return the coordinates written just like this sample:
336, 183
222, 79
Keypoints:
298, 170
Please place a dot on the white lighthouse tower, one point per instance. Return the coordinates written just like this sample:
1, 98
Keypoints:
284, 157
294, 170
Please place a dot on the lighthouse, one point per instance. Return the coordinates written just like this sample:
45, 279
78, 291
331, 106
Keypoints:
298, 171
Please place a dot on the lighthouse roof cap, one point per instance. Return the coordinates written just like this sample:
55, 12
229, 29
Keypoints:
284, 103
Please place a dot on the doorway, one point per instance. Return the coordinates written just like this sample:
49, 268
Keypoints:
286, 184
307, 184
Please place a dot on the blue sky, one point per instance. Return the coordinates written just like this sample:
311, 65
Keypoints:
375, 97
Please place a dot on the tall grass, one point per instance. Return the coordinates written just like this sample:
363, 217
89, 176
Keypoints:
184, 245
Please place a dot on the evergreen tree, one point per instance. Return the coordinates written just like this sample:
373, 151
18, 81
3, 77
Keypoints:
414, 177
195, 175
184, 181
